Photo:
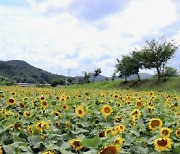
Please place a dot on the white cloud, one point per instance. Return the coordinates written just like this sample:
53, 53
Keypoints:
45, 41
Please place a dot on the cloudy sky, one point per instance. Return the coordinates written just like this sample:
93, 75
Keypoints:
82, 35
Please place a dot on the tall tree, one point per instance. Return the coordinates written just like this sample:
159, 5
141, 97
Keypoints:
124, 67
96, 73
129, 65
136, 63
86, 77
156, 54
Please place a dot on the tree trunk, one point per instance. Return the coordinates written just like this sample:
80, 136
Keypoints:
125, 79
158, 73
94, 79
139, 79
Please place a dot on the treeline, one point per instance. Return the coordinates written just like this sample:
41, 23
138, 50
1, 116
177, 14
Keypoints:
154, 55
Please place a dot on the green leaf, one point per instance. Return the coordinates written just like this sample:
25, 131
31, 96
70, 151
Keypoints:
93, 151
65, 145
9, 149
91, 143
135, 132
141, 149
16, 138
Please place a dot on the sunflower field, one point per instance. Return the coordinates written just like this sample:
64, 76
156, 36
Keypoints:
65, 121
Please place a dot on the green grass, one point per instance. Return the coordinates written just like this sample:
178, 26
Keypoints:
170, 84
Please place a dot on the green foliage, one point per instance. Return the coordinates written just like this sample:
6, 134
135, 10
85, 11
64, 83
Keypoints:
58, 82
22, 72
128, 66
170, 72
86, 77
96, 73
172, 84
156, 54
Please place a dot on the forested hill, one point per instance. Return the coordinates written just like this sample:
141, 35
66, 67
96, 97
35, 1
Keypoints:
21, 71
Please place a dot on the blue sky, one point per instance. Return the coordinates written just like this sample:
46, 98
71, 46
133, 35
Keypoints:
82, 35
14, 3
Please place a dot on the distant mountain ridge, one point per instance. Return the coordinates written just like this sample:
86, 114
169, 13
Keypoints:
22, 72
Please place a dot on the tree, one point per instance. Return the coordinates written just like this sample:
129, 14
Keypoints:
170, 72
86, 77
113, 76
136, 63
123, 67
129, 65
58, 82
96, 73
156, 54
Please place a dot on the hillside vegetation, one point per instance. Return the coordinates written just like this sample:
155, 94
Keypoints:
21, 71
170, 84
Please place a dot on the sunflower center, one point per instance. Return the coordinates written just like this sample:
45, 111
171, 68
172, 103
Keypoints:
165, 132
138, 103
102, 134
178, 133
110, 150
107, 110
80, 111
76, 143
21, 105
42, 98
155, 123
44, 103
162, 142
11, 100
39, 125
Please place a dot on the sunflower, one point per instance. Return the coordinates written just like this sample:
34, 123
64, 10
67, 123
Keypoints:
121, 128
108, 131
57, 124
136, 113
155, 123
18, 126
63, 99
42, 98
65, 107
162, 144
21, 105
118, 119
116, 130
116, 96
80, 111
110, 149
45, 125
106, 110
165, 131
76, 144
48, 152
119, 140
56, 113
39, 126
27, 114
13, 93
44, 104
178, 132
67, 125
138, 103
11, 101
11, 126
42, 125
30, 130
102, 134
151, 93
1, 149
